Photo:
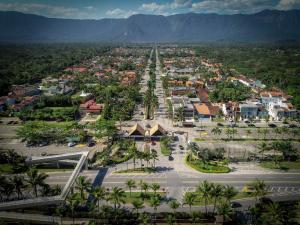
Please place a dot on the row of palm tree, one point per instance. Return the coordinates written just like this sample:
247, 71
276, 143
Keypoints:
283, 131
218, 195
34, 182
146, 155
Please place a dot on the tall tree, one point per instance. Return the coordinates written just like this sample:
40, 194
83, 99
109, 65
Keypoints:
130, 184
35, 180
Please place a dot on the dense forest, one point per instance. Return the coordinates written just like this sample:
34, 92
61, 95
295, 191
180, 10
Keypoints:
29, 63
275, 65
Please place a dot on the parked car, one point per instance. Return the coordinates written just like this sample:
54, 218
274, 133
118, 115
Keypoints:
153, 143
181, 147
171, 158
43, 143
220, 124
292, 126
90, 144
272, 125
251, 125
71, 144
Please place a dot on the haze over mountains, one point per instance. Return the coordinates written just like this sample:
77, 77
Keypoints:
265, 26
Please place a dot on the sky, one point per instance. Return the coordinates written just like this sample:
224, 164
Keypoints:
97, 9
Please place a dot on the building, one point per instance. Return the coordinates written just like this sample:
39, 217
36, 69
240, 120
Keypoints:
248, 110
91, 107
182, 91
183, 102
205, 110
20, 91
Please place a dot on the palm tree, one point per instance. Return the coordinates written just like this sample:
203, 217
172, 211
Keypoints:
216, 193
144, 218
145, 187
73, 201
248, 132
273, 214
154, 156
204, 189
154, 202
141, 157
155, 187
190, 199
216, 131
277, 131
170, 219
265, 131
260, 188
19, 184
82, 185
134, 153
180, 114
117, 196
35, 179
196, 216
229, 193
225, 210
174, 204
147, 157
137, 204
99, 194
263, 146
130, 184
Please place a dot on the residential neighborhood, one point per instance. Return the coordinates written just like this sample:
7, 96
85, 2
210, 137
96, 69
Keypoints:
155, 122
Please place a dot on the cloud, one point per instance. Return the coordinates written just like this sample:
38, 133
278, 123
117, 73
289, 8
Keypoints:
232, 6
119, 13
176, 4
153, 7
42, 9
288, 4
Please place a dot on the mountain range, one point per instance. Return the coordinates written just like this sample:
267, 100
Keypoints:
265, 26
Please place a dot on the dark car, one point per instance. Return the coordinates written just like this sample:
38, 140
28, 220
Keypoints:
181, 147
90, 144
235, 205
272, 125
220, 124
292, 126
251, 125
171, 158
266, 200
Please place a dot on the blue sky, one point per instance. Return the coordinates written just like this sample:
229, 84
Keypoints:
97, 9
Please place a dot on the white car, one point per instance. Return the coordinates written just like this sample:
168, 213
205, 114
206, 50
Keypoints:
71, 144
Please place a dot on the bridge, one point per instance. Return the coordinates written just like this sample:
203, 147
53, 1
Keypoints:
52, 200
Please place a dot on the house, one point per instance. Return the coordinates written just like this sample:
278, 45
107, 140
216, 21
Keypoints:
182, 91
184, 103
202, 94
91, 107
20, 91
27, 101
206, 110
230, 109
281, 110
248, 110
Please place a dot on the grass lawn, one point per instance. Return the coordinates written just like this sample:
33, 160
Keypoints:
166, 151
285, 165
49, 170
206, 168
138, 196
138, 170
5, 168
